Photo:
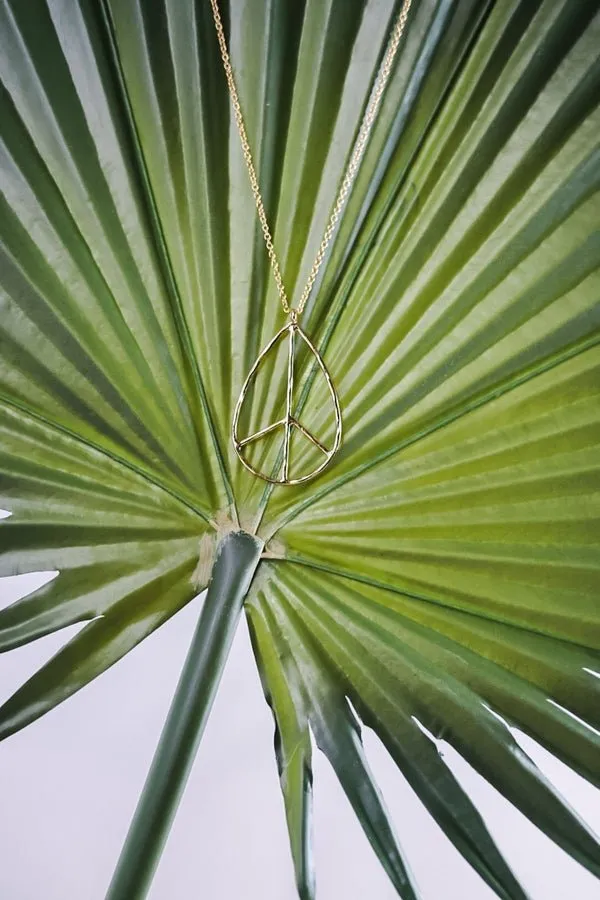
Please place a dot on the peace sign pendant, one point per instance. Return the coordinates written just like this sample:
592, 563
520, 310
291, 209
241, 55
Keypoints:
288, 422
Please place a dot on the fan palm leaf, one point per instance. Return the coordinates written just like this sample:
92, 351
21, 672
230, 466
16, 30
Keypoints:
439, 580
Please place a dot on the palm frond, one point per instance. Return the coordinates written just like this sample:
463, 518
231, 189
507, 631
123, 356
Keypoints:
440, 578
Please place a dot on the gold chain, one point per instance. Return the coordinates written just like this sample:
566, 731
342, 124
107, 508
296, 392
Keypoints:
370, 115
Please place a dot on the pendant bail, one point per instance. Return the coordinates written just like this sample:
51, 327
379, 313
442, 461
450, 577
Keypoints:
293, 314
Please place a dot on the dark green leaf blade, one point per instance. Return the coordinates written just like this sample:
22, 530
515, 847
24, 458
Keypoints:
337, 735
292, 747
378, 701
448, 709
99, 645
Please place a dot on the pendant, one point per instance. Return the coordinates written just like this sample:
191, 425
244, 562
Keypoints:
287, 423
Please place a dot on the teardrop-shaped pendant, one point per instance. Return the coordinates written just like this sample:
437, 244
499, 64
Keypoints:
287, 423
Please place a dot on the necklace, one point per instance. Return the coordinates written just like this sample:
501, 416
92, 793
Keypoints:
292, 330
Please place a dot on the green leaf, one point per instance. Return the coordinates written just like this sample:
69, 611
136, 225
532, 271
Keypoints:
444, 570
292, 747
323, 706
399, 659
99, 645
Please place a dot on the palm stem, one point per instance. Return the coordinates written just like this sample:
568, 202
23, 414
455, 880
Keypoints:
236, 561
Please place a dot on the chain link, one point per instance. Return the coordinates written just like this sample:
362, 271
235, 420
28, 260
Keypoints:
367, 123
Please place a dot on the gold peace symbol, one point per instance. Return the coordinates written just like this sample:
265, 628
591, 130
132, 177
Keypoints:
288, 422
